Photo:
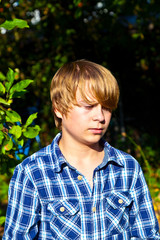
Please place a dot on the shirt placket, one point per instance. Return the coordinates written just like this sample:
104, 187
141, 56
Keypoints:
87, 206
96, 195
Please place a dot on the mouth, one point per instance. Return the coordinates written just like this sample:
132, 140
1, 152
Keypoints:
96, 130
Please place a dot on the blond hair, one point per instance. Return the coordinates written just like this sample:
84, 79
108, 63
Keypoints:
87, 77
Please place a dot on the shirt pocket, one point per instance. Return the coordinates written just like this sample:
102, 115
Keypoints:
117, 206
65, 222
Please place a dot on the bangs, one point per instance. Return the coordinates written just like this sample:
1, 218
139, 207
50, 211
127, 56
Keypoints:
99, 86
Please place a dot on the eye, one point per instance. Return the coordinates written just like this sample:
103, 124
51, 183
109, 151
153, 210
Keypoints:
89, 106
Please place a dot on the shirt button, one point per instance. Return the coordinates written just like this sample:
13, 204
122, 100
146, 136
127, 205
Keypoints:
94, 209
120, 201
62, 209
79, 177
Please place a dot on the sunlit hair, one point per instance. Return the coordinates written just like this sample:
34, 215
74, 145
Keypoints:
90, 78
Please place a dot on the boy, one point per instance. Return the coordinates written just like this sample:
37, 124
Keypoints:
80, 187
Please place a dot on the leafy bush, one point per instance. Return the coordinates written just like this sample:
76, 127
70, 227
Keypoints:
145, 155
13, 132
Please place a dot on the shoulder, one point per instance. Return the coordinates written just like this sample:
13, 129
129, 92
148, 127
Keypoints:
32, 160
121, 157
45, 158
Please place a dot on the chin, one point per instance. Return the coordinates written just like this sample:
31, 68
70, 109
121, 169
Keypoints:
94, 140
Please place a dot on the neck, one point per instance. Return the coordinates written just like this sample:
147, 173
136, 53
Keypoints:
79, 151
82, 157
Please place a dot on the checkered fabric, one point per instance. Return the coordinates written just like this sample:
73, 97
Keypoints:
49, 199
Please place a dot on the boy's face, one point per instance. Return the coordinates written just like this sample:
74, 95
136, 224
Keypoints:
85, 124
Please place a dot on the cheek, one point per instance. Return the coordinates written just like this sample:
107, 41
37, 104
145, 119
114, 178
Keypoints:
78, 115
108, 117
73, 119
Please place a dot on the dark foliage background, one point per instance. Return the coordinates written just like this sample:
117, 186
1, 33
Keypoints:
122, 35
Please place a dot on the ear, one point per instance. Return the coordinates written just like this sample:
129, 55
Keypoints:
58, 113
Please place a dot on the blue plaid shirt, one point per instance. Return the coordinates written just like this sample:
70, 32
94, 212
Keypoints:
49, 199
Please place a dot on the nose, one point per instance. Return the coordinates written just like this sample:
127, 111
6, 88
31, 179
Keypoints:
98, 114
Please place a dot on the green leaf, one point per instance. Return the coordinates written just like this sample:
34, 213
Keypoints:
2, 77
119, 2
18, 94
158, 172
137, 35
9, 25
7, 145
2, 220
10, 78
3, 101
31, 132
78, 13
13, 116
21, 156
2, 112
1, 137
10, 75
30, 119
16, 131
2, 88
20, 142
76, 2
18, 87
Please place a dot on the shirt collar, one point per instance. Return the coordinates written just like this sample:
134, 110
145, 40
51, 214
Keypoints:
59, 160
110, 155
58, 157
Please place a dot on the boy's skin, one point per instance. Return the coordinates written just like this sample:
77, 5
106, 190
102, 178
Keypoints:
82, 129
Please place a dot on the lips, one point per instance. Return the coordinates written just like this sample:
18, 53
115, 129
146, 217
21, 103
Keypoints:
96, 130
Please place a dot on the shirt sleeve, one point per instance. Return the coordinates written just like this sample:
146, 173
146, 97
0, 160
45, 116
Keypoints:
144, 224
23, 208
